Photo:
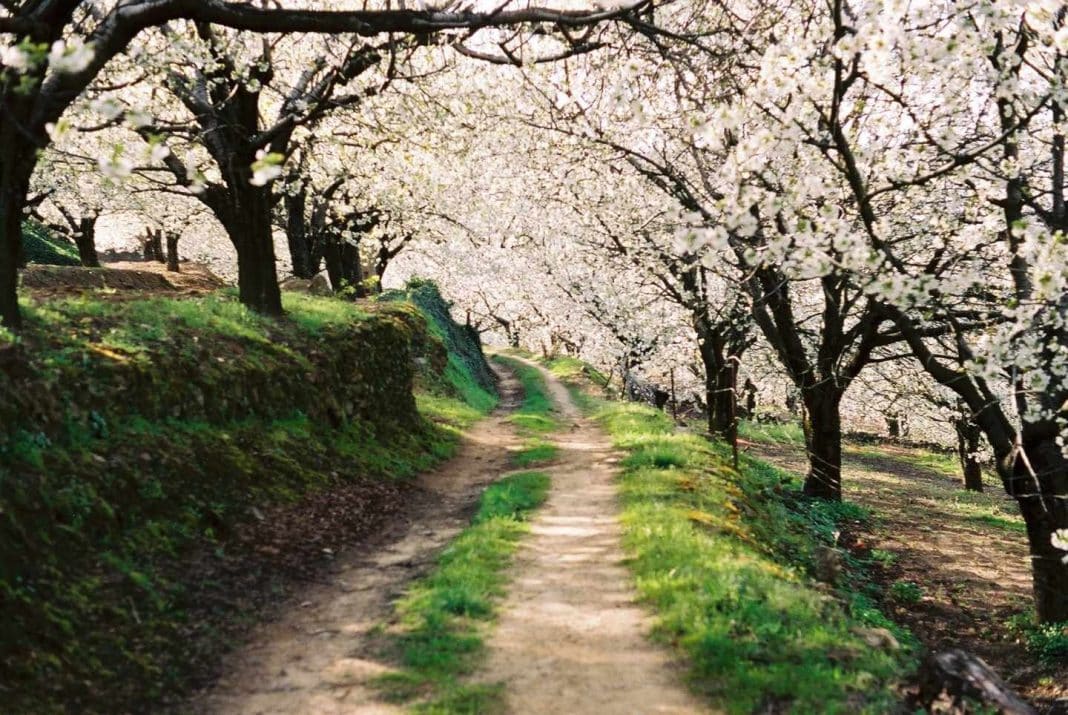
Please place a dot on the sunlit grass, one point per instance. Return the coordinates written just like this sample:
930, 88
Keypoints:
773, 432
535, 452
442, 617
722, 556
314, 313
536, 415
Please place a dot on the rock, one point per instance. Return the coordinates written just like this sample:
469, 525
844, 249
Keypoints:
320, 285
961, 676
297, 285
878, 638
828, 564
317, 285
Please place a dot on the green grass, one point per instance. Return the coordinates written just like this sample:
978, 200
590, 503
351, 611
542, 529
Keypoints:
442, 618
42, 246
1016, 525
773, 432
1048, 641
724, 557
905, 592
136, 326
535, 452
466, 373
572, 369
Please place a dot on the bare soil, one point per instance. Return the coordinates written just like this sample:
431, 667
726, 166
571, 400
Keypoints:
125, 278
571, 638
973, 576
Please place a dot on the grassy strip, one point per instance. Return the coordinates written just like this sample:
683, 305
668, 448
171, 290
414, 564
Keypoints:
535, 417
442, 616
535, 452
724, 556
572, 369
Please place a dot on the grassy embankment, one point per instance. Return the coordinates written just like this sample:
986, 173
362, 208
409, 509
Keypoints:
104, 514
442, 620
726, 560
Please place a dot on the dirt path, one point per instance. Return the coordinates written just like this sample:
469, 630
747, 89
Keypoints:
974, 575
313, 660
570, 638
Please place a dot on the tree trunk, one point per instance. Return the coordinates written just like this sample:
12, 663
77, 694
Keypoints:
1039, 485
147, 251
245, 213
85, 239
11, 203
893, 426
718, 387
343, 265
172, 251
300, 246
257, 277
968, 444
823, 438
157, 246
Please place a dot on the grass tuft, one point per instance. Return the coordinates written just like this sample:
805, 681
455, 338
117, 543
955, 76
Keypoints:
535, 452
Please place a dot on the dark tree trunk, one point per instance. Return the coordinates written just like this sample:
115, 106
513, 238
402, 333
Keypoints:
18, 158
718, 386
750, 400
304, 262
157, 246
893, 426
343, 265
172, 251
968, 443
257, 280
146, 251
249, 229
823, 440
245, 212
1039, 485
12, 199
85, 239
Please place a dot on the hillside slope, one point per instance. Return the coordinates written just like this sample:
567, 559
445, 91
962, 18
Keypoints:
169, 467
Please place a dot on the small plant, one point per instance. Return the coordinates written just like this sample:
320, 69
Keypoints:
883, 558
1047, 641
906, 592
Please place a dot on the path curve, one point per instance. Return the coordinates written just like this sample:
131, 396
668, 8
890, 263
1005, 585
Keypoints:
570, 638
313, 660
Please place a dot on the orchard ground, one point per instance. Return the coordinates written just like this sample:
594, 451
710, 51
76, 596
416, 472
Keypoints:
953, 563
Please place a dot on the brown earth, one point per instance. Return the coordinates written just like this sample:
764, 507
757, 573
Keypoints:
974, 576
570, 637
126, 278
